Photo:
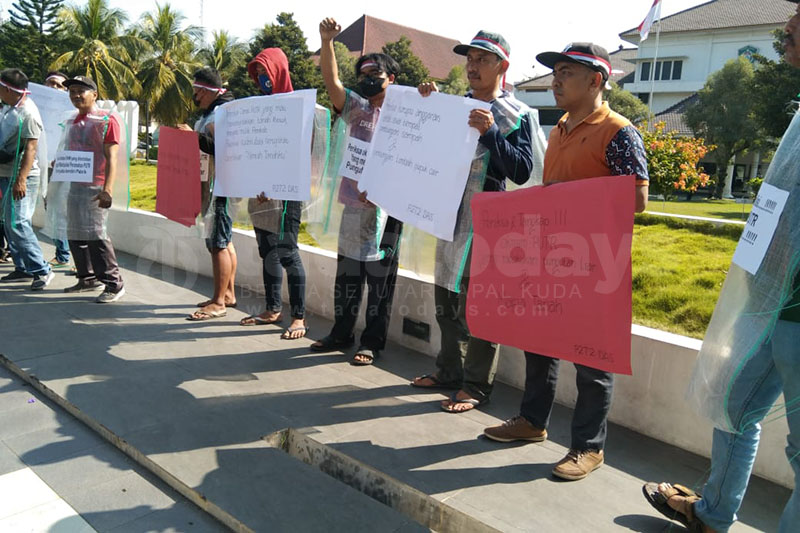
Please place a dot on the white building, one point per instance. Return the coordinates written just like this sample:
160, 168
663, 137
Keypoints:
692, 44
697, 42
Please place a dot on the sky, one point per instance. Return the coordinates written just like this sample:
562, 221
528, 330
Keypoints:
530, 27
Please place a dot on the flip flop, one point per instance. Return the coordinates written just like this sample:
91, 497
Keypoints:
370, 356
448, 408
208, 302
330, 344
659, 503
436, 383
255, 320
289, 331
199, 316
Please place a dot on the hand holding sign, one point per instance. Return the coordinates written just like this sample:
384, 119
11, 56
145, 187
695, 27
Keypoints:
551, 272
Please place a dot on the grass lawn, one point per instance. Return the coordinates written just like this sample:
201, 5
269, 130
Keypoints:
678, 265
143, 186
701, 207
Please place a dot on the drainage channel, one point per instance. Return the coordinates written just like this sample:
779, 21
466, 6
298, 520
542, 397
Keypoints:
425, 510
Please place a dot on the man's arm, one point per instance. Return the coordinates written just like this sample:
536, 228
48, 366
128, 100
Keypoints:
20, 185
625, 155
511, 156
104, 197
328, 29
204, 139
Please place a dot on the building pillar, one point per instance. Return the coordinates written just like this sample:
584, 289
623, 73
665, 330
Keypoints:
756, 162
726, 191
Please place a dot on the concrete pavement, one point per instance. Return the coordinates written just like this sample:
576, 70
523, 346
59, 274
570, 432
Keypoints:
193, 400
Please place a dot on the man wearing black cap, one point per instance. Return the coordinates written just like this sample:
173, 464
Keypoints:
208, 94
97, 132
511, 137
589, 141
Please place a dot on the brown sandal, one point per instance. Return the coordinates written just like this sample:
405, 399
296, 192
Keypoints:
660, 501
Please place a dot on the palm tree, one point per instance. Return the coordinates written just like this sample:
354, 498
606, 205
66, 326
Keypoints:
166, 70
97, 50
224, 54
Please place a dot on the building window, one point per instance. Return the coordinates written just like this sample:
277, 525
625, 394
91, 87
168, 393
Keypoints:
644, 97
550, 117
665, 70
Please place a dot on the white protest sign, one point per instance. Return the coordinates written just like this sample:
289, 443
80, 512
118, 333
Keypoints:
54, 107
760, 227
205, 161
420, 158
73, 166
263, 144
353, 159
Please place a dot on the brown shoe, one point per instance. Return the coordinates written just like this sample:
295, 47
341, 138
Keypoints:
517, 428
578, 464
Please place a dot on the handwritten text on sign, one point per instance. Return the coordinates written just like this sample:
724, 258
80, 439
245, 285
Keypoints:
551, 273
760, 227
355, 155
420, 158
73, 166
263, 144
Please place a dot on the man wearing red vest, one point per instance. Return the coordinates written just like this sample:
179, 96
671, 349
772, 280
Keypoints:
589, 141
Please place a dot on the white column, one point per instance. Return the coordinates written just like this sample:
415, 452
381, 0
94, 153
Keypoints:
756, 162
726, 192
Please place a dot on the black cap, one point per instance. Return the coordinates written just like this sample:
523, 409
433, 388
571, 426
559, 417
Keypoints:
82, 81
588, 54
484, 40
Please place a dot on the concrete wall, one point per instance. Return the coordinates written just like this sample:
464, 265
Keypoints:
649, 402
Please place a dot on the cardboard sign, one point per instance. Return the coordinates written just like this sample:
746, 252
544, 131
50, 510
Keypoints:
73, 166
420, 158
263, 144
760, 227
178, 176
354, 158
551, 270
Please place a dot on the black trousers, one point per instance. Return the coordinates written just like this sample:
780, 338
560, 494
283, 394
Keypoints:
590, 419
380, 278
97, 260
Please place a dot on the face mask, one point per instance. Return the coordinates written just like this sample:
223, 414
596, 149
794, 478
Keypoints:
265, 83
370, 86
196, 100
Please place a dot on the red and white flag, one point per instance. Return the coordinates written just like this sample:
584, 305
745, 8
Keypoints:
652, 16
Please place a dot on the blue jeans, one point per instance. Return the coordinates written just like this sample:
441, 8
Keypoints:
62, 250
278, 254
775, 368
22, 242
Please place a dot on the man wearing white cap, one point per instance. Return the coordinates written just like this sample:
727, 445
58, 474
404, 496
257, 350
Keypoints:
20, 131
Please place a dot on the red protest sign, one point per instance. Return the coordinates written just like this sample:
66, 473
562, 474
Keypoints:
551, 270
178, 176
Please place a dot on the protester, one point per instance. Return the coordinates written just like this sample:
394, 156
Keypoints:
20, 170
749, 357
511, 135
368, 240
589, 141
55, 80
99, 133
277, 222
208, 94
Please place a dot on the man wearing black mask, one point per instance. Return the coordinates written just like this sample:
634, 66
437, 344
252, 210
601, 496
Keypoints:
208, 94
363, 224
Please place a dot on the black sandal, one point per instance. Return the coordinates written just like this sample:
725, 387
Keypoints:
437, 384
331, 344
369, 355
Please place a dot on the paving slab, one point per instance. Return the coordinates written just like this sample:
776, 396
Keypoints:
195, 400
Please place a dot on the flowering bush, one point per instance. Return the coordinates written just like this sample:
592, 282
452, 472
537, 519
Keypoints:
672, 161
